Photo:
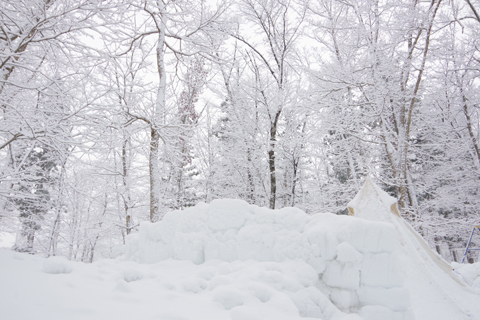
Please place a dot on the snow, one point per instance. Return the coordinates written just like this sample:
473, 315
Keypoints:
171, 289
56, 265
469, 272
7, 240
231, 260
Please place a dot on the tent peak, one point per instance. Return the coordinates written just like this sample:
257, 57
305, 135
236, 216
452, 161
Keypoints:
372, 203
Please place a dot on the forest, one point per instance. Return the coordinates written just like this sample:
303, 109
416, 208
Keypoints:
115, 112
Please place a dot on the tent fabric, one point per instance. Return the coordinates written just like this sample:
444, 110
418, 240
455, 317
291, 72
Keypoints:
371, 203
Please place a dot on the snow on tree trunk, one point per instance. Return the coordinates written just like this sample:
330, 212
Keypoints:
158, 120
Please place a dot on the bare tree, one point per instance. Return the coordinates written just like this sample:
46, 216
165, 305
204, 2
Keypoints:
179, 27
278, 25
38, 98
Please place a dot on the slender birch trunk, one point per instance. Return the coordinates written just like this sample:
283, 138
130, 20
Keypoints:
157, 121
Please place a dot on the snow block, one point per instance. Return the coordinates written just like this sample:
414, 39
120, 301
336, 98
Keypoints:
342, 275
380, 270
347, 253
226, 214
344, 299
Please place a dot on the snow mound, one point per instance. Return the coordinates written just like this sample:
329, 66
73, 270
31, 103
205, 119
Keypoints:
470, 272
345, 265
57, 265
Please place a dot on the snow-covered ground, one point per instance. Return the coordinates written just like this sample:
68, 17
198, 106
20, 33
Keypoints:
230, 260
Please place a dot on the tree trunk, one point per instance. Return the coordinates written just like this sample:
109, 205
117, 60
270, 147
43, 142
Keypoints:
157, 121
250, 182
126, 192
154, 172
294, 181
471, 132
271, 159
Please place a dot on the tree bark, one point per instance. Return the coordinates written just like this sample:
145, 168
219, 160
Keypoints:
159, 110
154, 172
126, 192
271, 159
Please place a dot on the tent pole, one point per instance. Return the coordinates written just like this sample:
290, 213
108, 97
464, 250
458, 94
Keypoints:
468, 244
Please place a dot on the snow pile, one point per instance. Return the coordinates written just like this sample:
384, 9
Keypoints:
264, 290
343, 260
470, 272
168, 290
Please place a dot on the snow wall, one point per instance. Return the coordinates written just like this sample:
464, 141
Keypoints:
354, 258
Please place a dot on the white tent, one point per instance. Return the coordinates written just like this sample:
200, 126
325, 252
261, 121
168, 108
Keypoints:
372, 203
422, 267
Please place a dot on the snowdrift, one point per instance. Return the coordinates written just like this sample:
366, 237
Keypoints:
353, 261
